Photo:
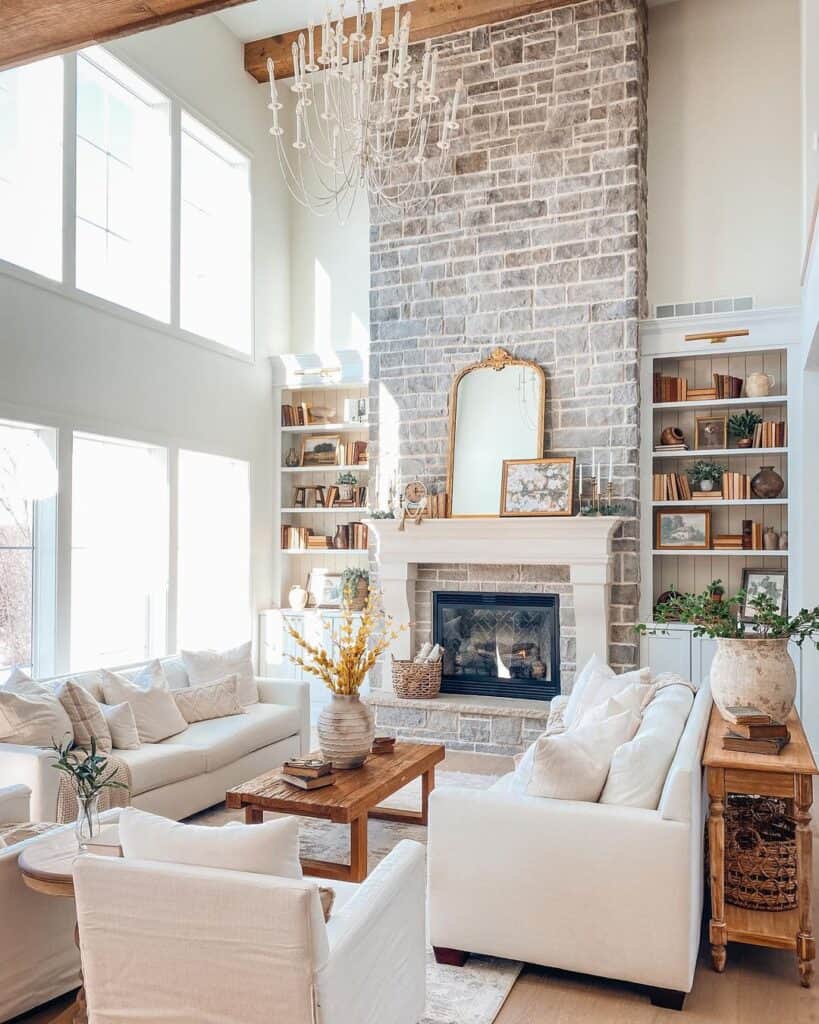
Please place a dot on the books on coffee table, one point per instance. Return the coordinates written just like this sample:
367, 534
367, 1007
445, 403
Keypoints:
315, 783
307, 767
765, 746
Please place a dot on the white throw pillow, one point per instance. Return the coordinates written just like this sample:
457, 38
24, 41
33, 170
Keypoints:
573, 765
215, 700
270, 848
633, 698
594, 664
35, 719
155, 712
86, 717
122, 725
205, 667
19, 681
603, 684
639, 767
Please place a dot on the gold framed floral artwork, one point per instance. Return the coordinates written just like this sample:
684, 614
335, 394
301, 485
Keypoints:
538, 487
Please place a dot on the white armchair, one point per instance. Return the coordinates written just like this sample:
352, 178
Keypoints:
191, 945
40, 960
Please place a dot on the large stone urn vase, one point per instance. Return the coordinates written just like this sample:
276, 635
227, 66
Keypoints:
754, 673
346, 728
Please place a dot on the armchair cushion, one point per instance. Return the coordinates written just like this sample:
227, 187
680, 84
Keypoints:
209, 666
15, 803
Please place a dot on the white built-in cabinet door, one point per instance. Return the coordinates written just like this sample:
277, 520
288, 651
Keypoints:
670, 651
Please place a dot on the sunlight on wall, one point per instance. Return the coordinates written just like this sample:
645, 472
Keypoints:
359, 334
389, 445
322, 309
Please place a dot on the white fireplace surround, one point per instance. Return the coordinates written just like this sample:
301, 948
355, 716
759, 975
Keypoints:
583, 543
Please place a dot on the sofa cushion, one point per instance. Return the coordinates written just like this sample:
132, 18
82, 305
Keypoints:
639, 767
122, 725
86, 716
216, 700
209, 666
155, 710
175, 672
225, 740
600, 685
33, 719
154, 765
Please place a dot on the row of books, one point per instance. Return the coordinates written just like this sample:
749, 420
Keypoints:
348, 536
438, 506
676, 389
749, 540
754, 732
727, 386
328, 497
671, 487
770, 434
736, 486
670, 389
296, 415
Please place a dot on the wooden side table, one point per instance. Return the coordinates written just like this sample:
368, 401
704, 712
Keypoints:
787, 776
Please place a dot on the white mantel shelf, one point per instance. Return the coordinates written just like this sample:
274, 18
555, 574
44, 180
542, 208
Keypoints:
583, 543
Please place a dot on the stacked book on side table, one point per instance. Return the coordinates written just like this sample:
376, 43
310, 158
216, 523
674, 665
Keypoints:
308, 772
754, 732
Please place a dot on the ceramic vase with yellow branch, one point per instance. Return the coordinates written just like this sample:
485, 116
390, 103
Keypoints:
346, 726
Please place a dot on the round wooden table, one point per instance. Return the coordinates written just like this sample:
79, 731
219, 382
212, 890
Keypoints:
47, 867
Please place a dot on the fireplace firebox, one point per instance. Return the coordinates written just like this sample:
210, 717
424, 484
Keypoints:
500, 645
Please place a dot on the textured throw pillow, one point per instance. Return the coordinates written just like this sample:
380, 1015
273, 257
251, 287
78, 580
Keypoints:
86, 717
270, 848
210, 666
214, 700
574, 764
639, 767
35, 719
155, 712
123, 727
600, 686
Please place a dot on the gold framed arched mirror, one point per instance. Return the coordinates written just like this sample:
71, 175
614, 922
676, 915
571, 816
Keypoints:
496, 412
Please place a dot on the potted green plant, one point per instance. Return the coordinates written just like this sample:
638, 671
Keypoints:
752, 667
705, 475
742, 426
355, 587
345, 483
90, 774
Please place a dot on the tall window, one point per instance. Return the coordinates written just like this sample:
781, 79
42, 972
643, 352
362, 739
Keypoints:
28, 483
119, 562
123, 186
215, 241
31, 133
214, 550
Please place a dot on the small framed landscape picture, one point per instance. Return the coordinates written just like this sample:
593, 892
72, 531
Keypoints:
324, 588
772, 583
712, 432
538, 487
320, 450
683, 529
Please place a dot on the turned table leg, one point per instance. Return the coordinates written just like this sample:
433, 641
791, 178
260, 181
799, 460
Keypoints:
717, 931
805, 943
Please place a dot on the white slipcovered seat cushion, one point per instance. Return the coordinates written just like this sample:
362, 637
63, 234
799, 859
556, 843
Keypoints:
205, 667
639, 767
573, 765
154, 765
225, 740
87, 718
269, 848
122, 726
155, 711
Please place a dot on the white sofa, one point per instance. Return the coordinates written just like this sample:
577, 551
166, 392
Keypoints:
595, 888
191, 771
190, 945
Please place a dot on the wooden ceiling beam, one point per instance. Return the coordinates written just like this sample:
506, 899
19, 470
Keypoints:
32, 29
430, 18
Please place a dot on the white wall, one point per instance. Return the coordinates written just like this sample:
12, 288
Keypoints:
66, 363
810, 105
724, 151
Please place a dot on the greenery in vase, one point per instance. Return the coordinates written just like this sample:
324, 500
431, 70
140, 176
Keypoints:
705, 469
347, 479
354, 653
350, 579
743, 424
89, 771
721, 618
381, 513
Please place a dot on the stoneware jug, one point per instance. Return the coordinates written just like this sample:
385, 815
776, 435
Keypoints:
754, 673
298, 598
758, 385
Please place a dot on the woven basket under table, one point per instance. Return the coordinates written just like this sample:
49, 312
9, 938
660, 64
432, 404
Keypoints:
760, 854
416, 681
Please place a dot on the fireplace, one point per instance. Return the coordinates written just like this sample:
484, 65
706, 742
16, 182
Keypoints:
501, 645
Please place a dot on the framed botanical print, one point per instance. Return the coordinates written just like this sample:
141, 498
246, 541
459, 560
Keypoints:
320, 450
324, 588
538, 487
712, 432
771, 583
683, 529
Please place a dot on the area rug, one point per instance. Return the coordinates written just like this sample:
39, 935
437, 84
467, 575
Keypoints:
472, 994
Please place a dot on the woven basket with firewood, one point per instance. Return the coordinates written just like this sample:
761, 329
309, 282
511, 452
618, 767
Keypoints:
760, 854
414, 680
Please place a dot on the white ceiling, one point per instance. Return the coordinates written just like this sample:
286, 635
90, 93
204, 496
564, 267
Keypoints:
270, 17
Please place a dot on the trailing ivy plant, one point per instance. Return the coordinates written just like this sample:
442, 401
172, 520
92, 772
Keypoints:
721, 619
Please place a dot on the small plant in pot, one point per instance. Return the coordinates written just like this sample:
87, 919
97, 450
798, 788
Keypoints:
752, 667
90, 774
345, 483
355, 588
706, 475
742, 426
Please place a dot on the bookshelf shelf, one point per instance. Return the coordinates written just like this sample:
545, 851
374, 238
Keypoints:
364, 468
722, 453
333, 510
325, 552
718, 553
326, 428
724, 403
720, 502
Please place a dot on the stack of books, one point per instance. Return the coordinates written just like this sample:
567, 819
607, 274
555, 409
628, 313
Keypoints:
383, 744
715, 495
295, 538
728, 541
701, 394
295, 415
671, 487
318, 542
751, 535
353, 536
770, 434
308, 772
754, 732
438, 506
736, 486
670, 389
727, 386
681, 447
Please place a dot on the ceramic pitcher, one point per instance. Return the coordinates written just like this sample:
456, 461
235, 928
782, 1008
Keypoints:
758, 385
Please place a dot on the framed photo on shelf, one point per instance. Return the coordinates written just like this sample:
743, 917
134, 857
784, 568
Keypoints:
321, 450
772, 583
538, 487
711, 432
324, 588
683, 529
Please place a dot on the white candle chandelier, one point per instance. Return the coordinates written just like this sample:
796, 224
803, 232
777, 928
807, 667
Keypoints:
365, 118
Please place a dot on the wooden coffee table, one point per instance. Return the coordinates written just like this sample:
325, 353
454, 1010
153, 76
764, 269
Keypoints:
352, 800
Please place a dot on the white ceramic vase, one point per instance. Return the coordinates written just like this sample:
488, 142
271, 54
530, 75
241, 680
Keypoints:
346, 729
754, 673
